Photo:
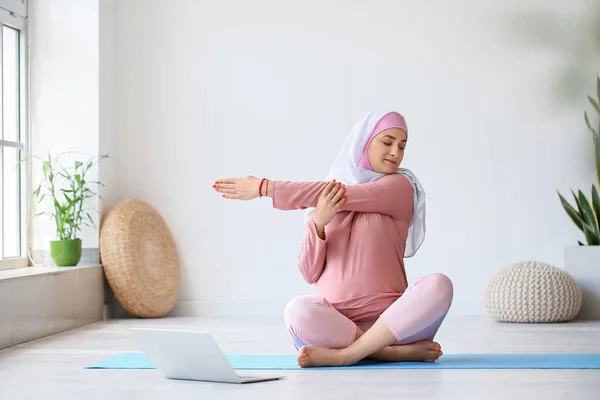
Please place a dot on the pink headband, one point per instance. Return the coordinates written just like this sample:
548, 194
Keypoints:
391, 120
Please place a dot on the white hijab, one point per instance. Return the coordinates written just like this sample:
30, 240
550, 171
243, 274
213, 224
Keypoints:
345, 169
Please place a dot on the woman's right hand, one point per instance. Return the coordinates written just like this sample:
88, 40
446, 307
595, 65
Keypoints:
330, 201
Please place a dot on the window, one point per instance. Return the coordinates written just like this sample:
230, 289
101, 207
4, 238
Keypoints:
14, 182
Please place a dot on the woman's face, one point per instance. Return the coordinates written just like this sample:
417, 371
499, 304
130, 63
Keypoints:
386, 150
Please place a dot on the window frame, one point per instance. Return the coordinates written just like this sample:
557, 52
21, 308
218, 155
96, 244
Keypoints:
13, 14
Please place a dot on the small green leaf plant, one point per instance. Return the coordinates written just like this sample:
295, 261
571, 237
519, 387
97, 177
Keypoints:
68, 190
586, 214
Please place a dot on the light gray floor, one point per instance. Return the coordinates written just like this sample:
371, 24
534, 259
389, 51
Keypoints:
53, 367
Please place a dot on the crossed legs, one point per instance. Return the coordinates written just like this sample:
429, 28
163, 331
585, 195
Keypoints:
404, 332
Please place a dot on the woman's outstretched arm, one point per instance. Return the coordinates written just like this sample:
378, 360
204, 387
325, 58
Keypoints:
286, 195
392, 194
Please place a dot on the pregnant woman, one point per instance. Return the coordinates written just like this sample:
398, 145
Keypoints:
360, 224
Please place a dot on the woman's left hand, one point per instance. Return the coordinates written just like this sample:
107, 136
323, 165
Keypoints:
245, 188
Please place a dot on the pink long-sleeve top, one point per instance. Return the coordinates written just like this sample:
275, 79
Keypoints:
359, 267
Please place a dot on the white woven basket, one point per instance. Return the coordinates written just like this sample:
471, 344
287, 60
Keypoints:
532, 291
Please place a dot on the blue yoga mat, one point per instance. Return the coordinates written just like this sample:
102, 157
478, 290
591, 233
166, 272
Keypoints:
447, 361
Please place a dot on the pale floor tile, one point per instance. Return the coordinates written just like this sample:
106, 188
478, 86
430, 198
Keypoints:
52, 368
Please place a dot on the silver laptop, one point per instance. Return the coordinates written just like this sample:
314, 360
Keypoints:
190, 355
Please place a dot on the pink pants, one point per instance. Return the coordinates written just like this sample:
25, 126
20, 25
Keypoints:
415, 316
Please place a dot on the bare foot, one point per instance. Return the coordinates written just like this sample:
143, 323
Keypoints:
315, 356
425, 350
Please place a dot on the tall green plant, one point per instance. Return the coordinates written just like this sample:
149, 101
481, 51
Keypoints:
586, 214
595, 102
68, 190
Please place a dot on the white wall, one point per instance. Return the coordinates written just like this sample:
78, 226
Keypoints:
64, 94
107, 137
269, 88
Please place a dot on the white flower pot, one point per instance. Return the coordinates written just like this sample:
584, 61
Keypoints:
583, 264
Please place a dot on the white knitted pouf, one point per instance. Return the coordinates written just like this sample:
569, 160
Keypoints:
531, 291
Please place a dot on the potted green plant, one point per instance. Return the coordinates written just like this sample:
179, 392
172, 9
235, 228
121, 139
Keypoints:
68, 191
582, 261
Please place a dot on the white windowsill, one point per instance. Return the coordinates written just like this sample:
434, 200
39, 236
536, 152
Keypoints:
39, 270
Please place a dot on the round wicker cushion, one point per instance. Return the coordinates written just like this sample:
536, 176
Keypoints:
531, 291
140, 259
